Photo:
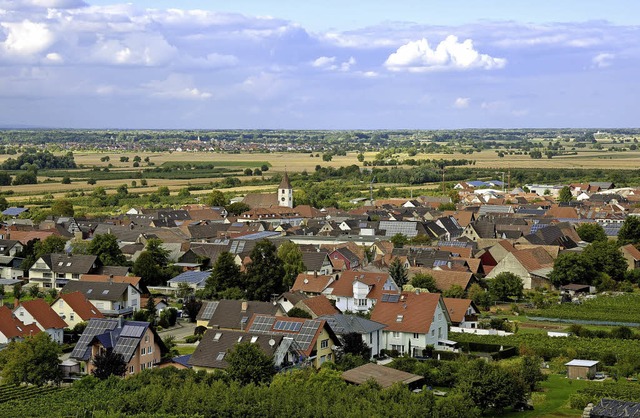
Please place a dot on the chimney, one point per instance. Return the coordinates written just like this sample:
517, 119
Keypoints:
244, 306
110, 279
120, 322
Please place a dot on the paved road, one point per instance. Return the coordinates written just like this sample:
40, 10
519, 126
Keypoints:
180, 331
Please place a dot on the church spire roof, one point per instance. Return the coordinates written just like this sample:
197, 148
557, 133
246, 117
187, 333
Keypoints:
285, 183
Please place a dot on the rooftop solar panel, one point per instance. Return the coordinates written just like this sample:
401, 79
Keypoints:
132, 331
209, 310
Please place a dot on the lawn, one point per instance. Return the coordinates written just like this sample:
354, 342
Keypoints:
553, 399
184, 349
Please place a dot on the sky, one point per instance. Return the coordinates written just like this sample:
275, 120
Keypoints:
266, 64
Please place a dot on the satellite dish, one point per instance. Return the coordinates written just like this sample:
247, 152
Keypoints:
272, 342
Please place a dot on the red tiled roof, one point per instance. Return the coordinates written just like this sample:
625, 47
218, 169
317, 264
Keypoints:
12, 327
310, 283
43, 314
417, 311
132, 280
81, 306
445, 279
632, 251
344, 285
457, 308
320, 305
533, 258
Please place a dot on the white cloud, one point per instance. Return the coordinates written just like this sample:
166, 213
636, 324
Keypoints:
462, 102
418, 56
135, 49
176, 86
54, 58
329, 63
26, 38
46, 4
324, 62
602, 60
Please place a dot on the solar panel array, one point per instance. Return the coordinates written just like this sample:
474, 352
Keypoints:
135, 331
536, 227
237, 247
287, 326
392, 228
209, 310
126, 346
94, 327
307, 333
391, 298
262, 323
460, 244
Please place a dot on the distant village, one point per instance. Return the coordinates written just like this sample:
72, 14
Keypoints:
346, 286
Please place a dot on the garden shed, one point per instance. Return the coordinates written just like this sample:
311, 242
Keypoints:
581, 369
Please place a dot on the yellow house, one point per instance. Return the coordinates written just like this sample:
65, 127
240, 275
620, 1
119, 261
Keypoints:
74, 308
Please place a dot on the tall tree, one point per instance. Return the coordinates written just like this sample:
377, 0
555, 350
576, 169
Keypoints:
109, 363
247, 363
265, 273
216, 198
606, 257
630, 231
146, 268
570, 268
224, 275
34, 360
352, 343
62, 207
591, 232
424, 281
158, 252
398, 272
106, 247
505, 286
565, 195
291, 257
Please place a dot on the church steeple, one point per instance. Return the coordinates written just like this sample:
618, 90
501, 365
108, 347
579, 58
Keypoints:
285, 192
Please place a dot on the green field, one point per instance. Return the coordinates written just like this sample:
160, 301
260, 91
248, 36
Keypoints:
553, 398
618, 308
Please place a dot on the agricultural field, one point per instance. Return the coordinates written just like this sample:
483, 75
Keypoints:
24, 393
614, 308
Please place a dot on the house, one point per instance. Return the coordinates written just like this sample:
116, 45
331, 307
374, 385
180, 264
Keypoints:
56, 270
232, 314
194, 279
343, 259
480, 229
111, 299
463, 312
529, 264
39, 313
312, 284
446, 279
215, 344
75, 308
371, 331
413, 321
581, 369
632, 255
132, 280
12, 329
316, 306
11, 267
317, 262
138, 343
382, 375
10, 247
314, 339
357, 291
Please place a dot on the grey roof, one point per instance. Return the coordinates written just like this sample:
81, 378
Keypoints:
229, 314
407, 228
7, 244
484, 229
344, 324
313, 260
67, 263
191, 277
123, 340
213, 347
13, 262
484, 209
112, 270
97, 290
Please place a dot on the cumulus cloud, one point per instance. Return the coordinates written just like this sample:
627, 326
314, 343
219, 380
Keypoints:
324, 62
330, 63
602, 60
26, 38
450, 54
462, 102
46, 4
176, 86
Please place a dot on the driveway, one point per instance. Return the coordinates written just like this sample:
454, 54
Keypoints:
181, 330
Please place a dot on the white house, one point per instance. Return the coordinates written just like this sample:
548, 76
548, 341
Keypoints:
39, 312
111, 299
357, 291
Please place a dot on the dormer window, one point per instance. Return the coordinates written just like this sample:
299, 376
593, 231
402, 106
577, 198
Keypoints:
399, 318
216, 337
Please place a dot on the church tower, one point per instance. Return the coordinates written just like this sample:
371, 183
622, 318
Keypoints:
285, 192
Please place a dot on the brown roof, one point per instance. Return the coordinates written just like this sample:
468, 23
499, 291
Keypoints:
132, 280
445, 279
307, 211
81, 306
231, 314
261, 200
383, 375
632, 251
562, 212
416, 311
533, 258
25, 236
43, 314
344, 285
319, 305
12, 327
457, 308
285, 183
310, 283
465, 252
209, 352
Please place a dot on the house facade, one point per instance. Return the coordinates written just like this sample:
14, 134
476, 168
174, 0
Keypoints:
75, 308
39, 313
56, 270
111, 299
357, 291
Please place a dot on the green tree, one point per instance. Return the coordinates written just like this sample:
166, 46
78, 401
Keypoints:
399, 240
505, 286
291, 256
265, 273
424, 281
360, 157
66, 180
591, 232
34, 360
18, 293
298, 313
454, 291
606, 257
247, 363
147, 269
398, 272
184, 290
352, 343
158, 252
216, 198
106, 247
224, 275
629, 231
570, 268
237, 208
172, 347
109, 363
565, 195
163, 191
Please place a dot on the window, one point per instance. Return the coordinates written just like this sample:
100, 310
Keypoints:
361, 302
399, 318
72, 317
220, 356
75, 276
142, 366
416, 335
440, 316
146, 338
216, 337
324, 343
130, 369
396, 334
254, 339
439, 332
398, 348
433, 332
323, 359
142, 351
149, 349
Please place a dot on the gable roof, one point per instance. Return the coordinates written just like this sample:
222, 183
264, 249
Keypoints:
97, 290
533, 258
416, 311
80, 305
68, 263
344, 324
632, 251
314, 260
319, 305
191, 277
311, 283
43, 314
457, 308
233, 314
214, 345
11, 327
344, 285
445, 279
132, 280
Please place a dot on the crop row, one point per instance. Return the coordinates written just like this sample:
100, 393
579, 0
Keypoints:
10, 393
615, 308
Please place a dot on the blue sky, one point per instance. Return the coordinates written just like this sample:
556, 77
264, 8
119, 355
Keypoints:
319, 65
